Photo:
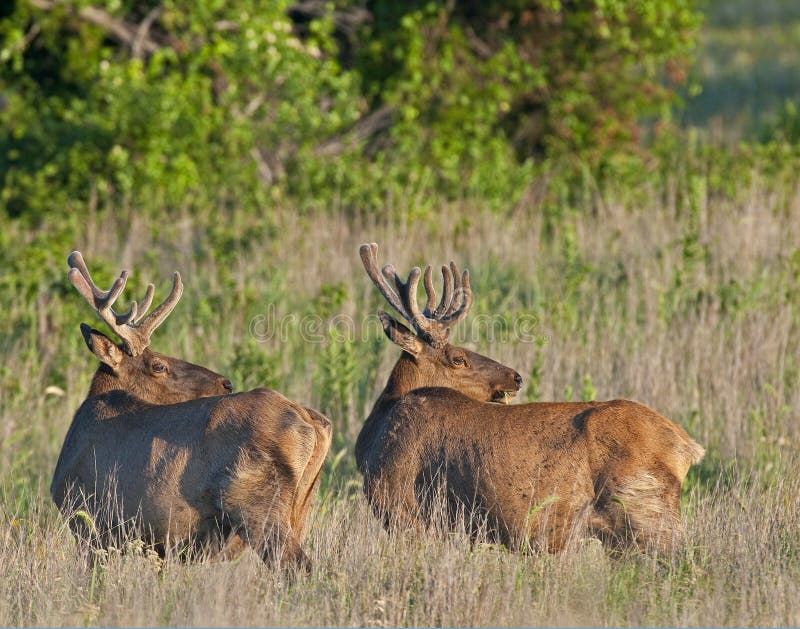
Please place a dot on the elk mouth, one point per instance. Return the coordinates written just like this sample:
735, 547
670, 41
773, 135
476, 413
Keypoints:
502, 396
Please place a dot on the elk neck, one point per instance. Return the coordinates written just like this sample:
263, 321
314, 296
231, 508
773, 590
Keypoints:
105, 382
405, 377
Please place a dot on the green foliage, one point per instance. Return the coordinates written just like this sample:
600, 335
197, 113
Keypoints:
787, 125
549, 77
234, 104
253, 366
534, 379
747, 70
335, 379
211, 117
588, 392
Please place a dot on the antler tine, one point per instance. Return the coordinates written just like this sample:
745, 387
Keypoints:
148, 325
148, 299
134, 334
77, 279
447, 295
408, 294
407, 291
128, 317
466, 303
369, 258
393, 277
100, 300
75, 261
430, 291
431, 324
457, 284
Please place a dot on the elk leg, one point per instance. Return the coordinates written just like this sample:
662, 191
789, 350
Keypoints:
398, 518
396, 510
292, 556
662, 532
559, 526
277, 545
642, 510
233, 546
286, 553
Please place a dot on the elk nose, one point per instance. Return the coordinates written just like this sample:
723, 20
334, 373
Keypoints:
518, 380
227, 385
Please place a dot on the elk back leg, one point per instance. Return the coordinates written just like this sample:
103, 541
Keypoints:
394, 503
279, 546
558, 526
641, 509
265, 527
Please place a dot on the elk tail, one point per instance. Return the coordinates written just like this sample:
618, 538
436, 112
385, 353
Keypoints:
694, 451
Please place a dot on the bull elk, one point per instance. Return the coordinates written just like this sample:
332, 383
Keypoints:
538, 475
162, 446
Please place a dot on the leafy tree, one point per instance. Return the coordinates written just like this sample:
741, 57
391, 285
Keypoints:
161, 105
171, 104
556, 77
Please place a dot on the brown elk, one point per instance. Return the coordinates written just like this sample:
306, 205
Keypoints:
163, 447
536, 475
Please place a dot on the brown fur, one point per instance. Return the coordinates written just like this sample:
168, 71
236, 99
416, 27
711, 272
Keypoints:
539, 474
199, 469
161, 447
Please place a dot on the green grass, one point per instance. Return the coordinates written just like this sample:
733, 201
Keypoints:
680, 289
692, 310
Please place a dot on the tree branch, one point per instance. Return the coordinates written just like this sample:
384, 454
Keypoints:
366, 127
125, 32
141, 32
347, 20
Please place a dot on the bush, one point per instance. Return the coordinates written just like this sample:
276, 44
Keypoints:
549, 77
177, 105
226, 95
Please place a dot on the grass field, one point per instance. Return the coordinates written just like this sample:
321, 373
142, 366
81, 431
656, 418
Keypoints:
689, 307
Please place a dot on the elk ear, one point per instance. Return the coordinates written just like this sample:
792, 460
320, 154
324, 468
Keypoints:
101, 346
401, 335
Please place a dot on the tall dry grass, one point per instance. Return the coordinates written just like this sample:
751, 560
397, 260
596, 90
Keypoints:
690, 310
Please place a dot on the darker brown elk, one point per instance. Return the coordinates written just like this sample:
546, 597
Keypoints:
161, 447
536, 475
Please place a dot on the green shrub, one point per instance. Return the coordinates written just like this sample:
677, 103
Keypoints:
234, 104
212, 116
471, 80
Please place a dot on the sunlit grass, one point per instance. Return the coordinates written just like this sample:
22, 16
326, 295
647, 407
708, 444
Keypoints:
693, 311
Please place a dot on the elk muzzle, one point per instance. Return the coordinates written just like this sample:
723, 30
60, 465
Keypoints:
504, 394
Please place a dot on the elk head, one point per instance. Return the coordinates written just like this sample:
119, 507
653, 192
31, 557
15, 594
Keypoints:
131, 365
436, 363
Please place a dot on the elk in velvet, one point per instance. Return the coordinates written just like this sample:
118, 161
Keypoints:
536, 475
163, 448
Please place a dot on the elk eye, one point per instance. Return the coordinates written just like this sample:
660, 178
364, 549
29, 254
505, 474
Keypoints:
158, 367
459, 361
